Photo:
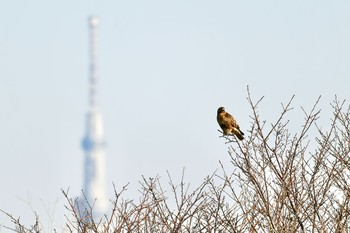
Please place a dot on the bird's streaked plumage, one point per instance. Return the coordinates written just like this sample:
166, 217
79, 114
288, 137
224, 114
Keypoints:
228, 124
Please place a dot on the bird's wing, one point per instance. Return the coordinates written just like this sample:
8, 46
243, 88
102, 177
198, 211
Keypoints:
230, 120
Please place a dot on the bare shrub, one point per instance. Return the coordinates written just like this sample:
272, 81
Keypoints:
275, 183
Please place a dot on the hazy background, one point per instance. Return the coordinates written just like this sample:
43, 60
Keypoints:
164, 67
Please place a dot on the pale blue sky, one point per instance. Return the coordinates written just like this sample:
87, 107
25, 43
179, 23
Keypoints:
164, 67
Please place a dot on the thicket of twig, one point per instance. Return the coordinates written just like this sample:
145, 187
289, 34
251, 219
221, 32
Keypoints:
274, 184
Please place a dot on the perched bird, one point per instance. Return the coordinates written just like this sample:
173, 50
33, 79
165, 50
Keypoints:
228, 124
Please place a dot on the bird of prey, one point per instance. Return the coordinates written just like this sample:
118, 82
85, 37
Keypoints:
228, 124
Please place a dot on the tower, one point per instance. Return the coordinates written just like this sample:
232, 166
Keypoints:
93, 141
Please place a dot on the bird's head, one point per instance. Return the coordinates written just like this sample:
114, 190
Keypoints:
221, 109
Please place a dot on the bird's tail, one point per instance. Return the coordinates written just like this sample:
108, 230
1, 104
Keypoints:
239, 134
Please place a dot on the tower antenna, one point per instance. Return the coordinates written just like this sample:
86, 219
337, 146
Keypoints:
93, 24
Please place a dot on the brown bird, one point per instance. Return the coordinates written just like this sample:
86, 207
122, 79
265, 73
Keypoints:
228, 124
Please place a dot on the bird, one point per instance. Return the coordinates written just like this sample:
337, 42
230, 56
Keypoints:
228, 124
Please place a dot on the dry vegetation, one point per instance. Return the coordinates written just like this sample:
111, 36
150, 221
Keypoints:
274, 184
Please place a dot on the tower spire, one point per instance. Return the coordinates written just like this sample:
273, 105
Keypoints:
93, 24
93, 141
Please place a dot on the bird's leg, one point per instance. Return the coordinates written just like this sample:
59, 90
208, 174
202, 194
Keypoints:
223, 135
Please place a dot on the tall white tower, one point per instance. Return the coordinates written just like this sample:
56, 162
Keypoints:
93, 142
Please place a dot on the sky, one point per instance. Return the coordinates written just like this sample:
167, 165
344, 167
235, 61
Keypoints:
164, 67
